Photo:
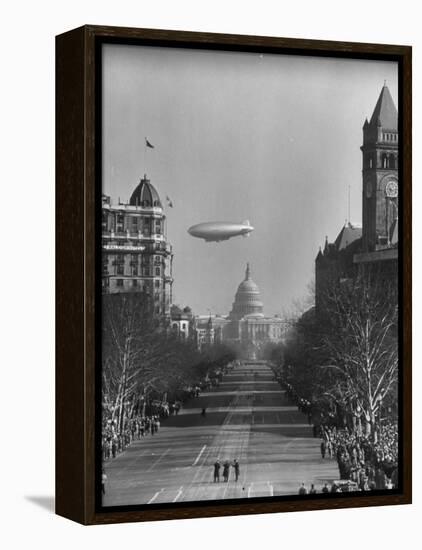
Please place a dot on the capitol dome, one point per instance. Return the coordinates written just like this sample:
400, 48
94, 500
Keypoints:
145, 195
247, 300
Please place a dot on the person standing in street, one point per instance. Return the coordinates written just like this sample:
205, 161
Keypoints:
103, 481
303, 490
226, 469
217, 467
236, 469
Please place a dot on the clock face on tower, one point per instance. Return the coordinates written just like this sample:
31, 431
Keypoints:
392, 189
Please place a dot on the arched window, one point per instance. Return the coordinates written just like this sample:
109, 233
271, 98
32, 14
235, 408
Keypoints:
384, 161
391, 161
370, 162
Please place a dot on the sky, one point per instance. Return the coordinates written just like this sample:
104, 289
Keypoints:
273, 139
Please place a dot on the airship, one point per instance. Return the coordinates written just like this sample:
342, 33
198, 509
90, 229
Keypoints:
220, 231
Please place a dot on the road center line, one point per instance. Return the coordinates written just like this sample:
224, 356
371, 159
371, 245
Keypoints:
178, 494
155, 496
158, 460
199, 455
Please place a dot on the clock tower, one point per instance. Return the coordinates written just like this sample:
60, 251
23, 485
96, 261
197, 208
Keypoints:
380, 174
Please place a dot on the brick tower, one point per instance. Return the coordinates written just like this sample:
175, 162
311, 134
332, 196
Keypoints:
380, 176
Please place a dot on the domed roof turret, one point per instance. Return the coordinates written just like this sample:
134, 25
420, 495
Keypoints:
247, 300
145, 195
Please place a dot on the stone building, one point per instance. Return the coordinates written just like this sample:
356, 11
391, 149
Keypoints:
245, 328
249, 328
182, 322
210, 329
373, 247
136, 256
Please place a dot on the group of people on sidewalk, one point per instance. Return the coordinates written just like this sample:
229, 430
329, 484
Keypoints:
226, 470
368, 464
371, 465
115, 441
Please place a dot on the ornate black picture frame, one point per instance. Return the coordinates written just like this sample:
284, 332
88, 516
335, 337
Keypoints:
79, 108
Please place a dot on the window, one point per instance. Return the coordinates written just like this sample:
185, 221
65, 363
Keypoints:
104, 221
120, 269
119, 222
157, 272
384, 161
119, 282
157, 284
105, 266
135, 282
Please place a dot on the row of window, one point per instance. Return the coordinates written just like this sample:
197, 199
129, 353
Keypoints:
136, 282
134, 259
132, 223
387, 161
390, 137
134, 271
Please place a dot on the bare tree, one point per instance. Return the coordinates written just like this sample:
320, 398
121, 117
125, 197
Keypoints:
140, 356
360, 338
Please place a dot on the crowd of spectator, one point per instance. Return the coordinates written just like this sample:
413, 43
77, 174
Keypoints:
116, 439
371, 464
365, 463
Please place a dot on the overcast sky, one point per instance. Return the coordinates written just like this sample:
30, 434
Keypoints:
269, 138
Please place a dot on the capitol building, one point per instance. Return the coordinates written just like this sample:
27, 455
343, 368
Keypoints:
246, 327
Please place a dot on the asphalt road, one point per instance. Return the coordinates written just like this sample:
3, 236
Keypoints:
249, 419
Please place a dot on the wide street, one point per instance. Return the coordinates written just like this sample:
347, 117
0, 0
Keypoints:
248, 418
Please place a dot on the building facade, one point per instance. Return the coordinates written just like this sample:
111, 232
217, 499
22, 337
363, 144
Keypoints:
372, 247
380, 175
245, 328
136, 256
182, 322
249, 328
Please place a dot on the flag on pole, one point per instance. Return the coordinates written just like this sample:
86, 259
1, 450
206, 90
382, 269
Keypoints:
169, 201
148, 144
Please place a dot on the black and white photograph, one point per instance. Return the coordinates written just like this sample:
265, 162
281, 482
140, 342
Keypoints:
250, 260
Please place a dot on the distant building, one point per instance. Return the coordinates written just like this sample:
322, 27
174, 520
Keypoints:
374, 246
136, 256
210, 329
249, 327
246, 328
182, 322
